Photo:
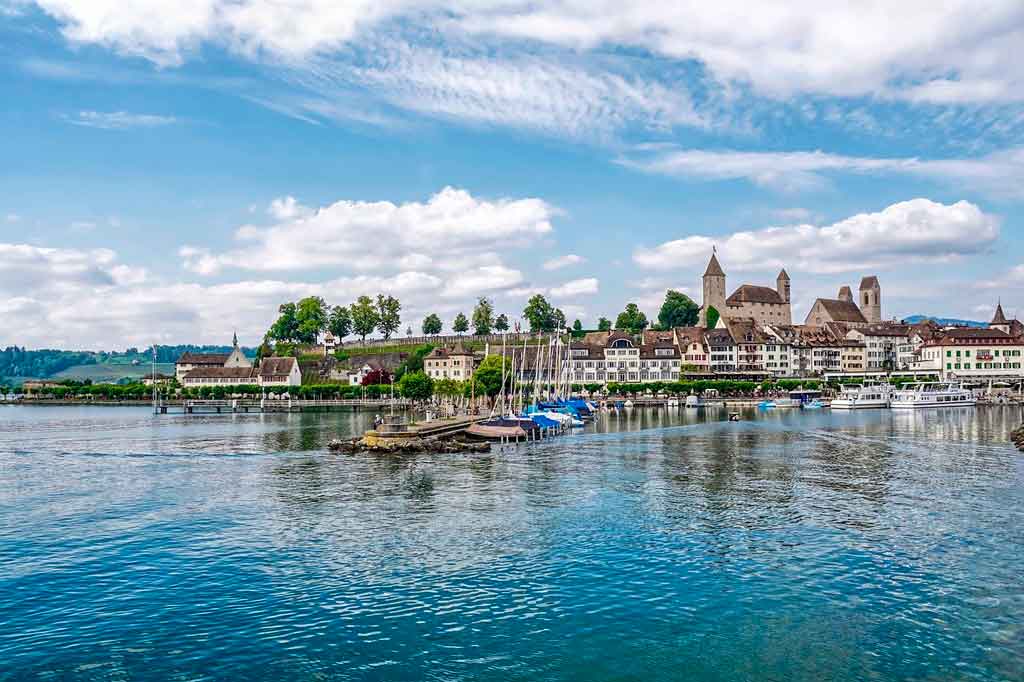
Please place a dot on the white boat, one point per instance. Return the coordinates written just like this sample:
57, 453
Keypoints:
673, 402
863, 397
932, 394
694, 401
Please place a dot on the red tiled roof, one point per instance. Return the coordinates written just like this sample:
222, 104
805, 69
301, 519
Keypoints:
189, 358
749, 293
842, 311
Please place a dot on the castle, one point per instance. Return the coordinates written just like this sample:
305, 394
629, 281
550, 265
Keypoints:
767, 306
764, 305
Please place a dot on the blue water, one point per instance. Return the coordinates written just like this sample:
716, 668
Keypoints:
791, 546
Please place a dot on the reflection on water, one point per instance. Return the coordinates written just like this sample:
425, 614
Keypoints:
657, 545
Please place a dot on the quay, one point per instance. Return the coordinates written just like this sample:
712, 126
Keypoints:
236, 406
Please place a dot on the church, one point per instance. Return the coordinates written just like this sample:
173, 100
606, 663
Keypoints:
845, 310
764, 305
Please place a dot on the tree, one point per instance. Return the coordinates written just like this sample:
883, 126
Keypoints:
539, 313
557, 320
286, 327
311, 319
388, 319
483, 317
416, 386
460, 324
712, 317
487, 377
631, 319
364, 316
678, 310
340, 322
604, 324
577, 326
431, 325
501, 323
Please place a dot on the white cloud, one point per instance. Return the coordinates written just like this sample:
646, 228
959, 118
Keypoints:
1000, 173
577, 287
362, 235
914, 49
287, 208
564, 261
118, 120
915, 231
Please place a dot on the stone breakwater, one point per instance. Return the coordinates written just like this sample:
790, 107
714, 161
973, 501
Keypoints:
1018, 438
407, 446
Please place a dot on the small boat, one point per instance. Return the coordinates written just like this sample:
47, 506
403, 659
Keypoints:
496, 429
628, 404
694, 401
672, 402
734, 416
766, 405
813, 405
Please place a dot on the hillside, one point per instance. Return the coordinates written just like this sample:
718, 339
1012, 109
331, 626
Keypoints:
944, 321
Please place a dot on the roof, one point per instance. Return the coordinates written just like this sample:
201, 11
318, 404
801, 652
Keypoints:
845, 292
189, 358
689, 335
714, 269
783, 274
870, 282
744, 330
842, 311
749, 293
276, 367
652, 337
221, 373
974, 335
886, 329
719, 337
999, 318
457, 349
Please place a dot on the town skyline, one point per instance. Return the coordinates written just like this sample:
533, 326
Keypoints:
172, 178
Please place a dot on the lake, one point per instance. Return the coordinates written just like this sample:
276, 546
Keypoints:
655, 546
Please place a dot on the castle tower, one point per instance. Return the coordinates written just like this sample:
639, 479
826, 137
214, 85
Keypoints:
714, 289
845, 294
782, 285
871, 299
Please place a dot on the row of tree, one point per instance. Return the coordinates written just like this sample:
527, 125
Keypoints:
305, 321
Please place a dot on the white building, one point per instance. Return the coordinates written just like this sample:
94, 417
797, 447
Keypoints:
973, 353
450, 363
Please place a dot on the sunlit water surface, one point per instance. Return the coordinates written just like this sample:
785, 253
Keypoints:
656, 546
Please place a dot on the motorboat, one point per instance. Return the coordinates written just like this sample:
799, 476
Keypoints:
766, 405
813, 405
694, 401
932, 394
863, 397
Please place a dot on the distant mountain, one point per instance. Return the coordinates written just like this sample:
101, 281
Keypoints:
944, 321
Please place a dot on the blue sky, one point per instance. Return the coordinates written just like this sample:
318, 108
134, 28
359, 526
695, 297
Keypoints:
172, 171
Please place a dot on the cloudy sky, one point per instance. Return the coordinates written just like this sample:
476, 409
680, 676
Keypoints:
171, 171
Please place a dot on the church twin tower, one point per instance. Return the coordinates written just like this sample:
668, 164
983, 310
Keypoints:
773, 306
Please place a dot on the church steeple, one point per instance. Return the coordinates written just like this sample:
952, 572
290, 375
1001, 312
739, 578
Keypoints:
999, 318
234, 340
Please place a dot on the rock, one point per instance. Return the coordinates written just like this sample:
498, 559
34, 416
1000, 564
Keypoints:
1018, 438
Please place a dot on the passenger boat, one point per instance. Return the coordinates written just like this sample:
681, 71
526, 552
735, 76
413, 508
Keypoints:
932, 394
863, 397
694, 401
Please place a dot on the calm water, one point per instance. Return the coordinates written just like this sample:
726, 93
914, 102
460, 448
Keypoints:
793, 546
